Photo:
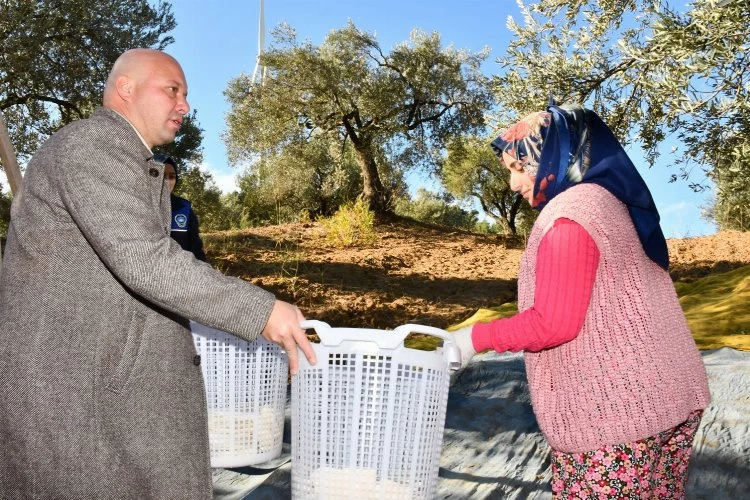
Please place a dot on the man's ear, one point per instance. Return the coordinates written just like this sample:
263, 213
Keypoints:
125, 87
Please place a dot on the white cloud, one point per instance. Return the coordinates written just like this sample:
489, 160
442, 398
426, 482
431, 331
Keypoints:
225, 178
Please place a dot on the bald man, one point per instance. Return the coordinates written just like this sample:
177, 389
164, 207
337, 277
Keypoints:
101, 393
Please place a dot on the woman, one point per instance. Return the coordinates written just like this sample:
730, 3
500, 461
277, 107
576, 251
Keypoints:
184, 229
617, 383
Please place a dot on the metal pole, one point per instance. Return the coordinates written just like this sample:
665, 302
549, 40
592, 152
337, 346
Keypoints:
8, 159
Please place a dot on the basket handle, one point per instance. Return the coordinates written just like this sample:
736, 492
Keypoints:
314, 324
427, 330
335, 336
386, 340
450, 348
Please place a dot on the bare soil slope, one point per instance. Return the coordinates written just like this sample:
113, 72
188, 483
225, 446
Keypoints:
416, 273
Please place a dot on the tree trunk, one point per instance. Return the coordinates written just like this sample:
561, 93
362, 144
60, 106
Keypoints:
373, 192
514, 209
506, 216
511, 223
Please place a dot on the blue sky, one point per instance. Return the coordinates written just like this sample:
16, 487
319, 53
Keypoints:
216, 41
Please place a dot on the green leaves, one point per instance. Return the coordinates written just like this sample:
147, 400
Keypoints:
5, 202
653, 72
205, 196
56, 56
391, 108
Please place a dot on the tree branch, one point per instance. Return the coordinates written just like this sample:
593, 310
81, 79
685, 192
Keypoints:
19, 100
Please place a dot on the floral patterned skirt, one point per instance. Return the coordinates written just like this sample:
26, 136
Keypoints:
655, 467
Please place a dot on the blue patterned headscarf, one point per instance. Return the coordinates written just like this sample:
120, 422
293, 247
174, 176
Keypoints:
567, 145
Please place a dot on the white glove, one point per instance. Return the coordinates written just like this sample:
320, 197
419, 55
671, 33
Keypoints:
462, 339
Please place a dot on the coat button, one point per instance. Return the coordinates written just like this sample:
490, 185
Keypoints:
197, 360
153, 172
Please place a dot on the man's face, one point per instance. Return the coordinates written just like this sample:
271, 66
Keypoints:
159, 101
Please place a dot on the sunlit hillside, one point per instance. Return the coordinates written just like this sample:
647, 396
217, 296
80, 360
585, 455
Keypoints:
430, 275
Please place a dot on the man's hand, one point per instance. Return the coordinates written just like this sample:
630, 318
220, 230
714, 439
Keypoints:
283, 328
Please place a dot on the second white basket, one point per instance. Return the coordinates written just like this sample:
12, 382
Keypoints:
368, 418
246, 386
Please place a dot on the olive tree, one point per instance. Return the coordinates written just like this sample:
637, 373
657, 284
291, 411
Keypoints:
400, 106
56, 55
658, 74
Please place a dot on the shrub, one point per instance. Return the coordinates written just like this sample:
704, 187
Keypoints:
352, 225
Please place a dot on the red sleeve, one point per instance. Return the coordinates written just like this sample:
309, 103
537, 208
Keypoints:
566, 265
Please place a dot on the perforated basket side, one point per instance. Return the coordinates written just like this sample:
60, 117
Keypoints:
245, 386
368, 420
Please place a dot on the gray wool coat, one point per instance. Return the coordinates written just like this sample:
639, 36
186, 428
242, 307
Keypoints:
101, 393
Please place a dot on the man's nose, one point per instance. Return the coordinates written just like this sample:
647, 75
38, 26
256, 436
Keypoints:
183, 106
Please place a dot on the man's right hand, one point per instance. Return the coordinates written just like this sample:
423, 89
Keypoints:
283, 328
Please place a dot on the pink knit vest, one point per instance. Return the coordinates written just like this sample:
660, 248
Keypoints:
634, 369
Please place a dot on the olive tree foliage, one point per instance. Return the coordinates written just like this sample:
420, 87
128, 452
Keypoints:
436, 208
308, 178
56, 55
206, 198
657, 74
471, 169
396, 107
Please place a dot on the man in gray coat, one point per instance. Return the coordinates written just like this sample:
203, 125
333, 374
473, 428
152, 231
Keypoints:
101, 393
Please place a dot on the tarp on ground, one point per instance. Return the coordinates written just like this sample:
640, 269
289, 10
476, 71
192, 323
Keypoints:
493, 448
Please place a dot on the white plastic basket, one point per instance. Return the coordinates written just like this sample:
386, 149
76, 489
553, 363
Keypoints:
368, 418
245, 393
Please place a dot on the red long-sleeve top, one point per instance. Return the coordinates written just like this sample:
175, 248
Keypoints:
565, 270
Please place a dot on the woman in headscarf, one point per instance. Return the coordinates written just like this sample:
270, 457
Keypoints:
617, 383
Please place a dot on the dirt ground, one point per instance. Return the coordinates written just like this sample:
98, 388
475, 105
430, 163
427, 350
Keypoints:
416, 273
